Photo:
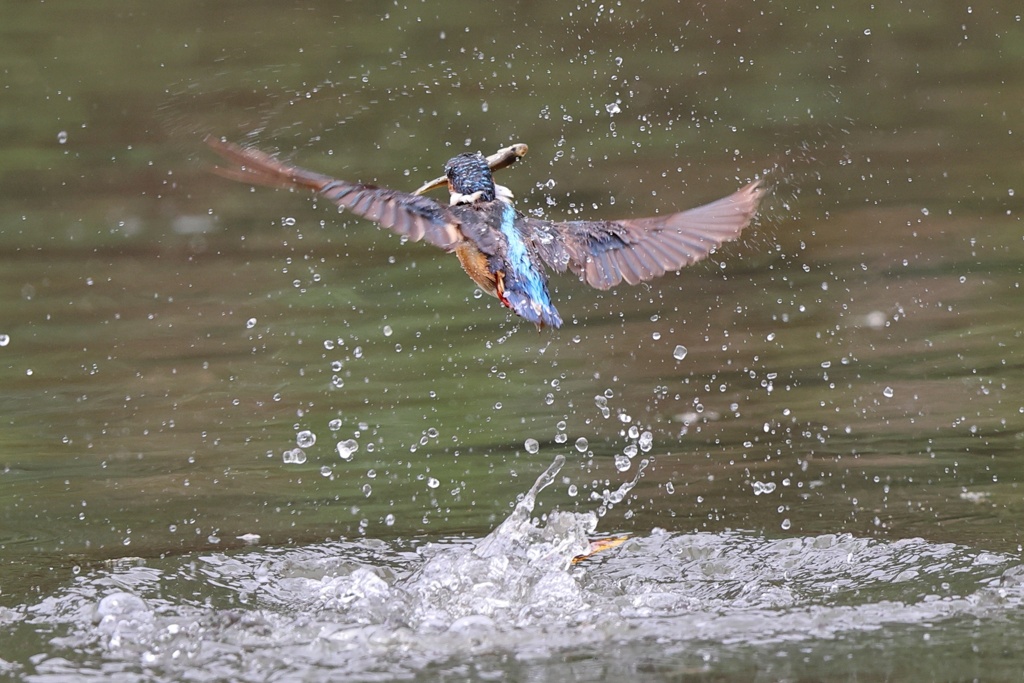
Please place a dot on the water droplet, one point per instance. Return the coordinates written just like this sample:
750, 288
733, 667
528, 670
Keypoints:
581, 445
347, 448
433, 483
4, 340
532, 446
888, 392
646, 441
305, 439
388, 331
334, 425
250, 323
786, 524
622, 463
389, 519
680, 352
62, 137
612, 108
294, 456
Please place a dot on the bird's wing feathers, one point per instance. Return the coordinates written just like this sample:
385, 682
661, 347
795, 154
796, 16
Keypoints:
602, 253
412, 216
605, 253
409, 215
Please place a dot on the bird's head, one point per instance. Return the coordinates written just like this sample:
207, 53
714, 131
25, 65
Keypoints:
469, 179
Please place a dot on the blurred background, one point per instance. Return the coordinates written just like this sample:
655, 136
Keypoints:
185, 360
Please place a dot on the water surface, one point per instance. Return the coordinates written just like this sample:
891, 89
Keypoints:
833, 479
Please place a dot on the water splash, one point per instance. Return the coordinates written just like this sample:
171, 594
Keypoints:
369, 609
563, 537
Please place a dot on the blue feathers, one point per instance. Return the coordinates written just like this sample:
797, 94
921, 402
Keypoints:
468, 174
494, 227
525, 284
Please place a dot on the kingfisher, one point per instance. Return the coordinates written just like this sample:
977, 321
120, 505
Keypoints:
502, 250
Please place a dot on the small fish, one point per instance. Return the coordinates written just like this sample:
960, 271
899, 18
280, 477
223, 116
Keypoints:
501, 249
598, 545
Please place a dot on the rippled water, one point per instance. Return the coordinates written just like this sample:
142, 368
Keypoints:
244, 438
515, 603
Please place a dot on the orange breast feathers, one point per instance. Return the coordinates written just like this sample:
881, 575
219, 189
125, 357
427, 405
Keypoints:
475, 265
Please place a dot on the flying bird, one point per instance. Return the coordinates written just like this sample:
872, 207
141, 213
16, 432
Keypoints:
504, 251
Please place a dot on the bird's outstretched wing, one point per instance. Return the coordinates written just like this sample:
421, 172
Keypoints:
604, 253
407, 214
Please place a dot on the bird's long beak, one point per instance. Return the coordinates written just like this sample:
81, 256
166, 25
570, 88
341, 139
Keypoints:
500, 159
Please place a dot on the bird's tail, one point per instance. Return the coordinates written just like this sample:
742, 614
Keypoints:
252, 166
